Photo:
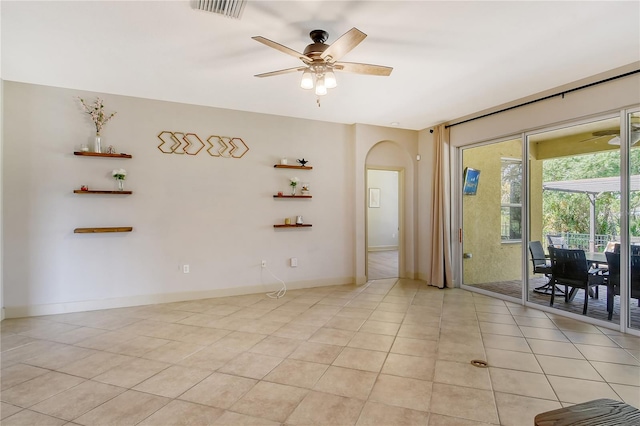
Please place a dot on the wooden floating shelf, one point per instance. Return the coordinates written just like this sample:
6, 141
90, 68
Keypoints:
304, 225
292, 196
287, 166
101, 230
100, 154
80, 191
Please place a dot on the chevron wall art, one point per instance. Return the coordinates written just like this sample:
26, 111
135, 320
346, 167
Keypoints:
189, 143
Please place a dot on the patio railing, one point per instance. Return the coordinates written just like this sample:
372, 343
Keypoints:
581, 241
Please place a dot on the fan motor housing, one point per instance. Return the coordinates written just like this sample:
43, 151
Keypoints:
315, 49
319, 36
318, 46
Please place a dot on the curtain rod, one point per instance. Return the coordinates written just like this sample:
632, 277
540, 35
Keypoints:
545, 98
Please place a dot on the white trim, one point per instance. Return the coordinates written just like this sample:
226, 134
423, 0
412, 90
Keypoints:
150, 299
382, 248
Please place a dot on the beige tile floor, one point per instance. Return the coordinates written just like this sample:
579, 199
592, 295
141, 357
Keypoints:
391, 352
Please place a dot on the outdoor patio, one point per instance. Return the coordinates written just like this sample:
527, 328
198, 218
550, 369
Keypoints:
597, 307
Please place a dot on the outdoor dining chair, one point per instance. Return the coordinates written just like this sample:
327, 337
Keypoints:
570, 268
541, 265
556, 241
613, 279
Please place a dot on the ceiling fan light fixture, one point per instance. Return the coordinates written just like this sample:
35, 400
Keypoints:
320, 59
321, 89
307, 79
330, 79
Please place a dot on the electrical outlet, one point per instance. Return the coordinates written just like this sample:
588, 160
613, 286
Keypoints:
264, 264
293, 262
185, 269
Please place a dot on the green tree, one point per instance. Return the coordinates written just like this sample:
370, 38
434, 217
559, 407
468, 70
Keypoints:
569, 212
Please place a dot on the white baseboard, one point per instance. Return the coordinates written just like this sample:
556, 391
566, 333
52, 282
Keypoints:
361, 280
382, 248
150, 299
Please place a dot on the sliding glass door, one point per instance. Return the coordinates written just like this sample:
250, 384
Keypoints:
633, 290
492, 218
578, 190
574, 203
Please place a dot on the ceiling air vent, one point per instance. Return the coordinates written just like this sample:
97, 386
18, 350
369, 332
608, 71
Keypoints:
230, 8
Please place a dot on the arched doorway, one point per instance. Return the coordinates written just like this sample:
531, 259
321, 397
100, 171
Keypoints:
383, 223
388, 210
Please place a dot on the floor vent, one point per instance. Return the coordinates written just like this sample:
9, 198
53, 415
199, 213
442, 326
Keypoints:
229, 8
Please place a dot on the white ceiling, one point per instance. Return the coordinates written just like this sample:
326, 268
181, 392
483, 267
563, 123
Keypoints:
450, 58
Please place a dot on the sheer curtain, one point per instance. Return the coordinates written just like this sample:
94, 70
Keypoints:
441, 272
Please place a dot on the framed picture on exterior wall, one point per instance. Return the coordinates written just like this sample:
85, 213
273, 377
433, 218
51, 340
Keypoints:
471, 178
374, 198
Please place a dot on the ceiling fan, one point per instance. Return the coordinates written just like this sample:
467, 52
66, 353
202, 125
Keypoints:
321, 60
615, 133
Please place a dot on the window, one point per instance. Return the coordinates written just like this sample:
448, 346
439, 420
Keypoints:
511, 200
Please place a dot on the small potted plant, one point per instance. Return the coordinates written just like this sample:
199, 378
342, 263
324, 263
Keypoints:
119, 175
294, 182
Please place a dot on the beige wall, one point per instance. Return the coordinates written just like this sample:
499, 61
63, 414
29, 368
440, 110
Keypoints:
2, 312
425, 174
215, 214
595, 100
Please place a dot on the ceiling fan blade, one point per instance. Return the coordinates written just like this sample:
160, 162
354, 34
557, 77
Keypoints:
287, 71
593, 138
611, 132
343, 45
283, 49
363, 68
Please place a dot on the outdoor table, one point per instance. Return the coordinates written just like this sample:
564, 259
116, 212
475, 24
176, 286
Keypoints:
596, 257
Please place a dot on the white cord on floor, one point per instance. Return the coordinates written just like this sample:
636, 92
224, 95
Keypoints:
275, 294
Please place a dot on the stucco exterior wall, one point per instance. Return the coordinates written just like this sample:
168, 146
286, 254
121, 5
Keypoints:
492, 260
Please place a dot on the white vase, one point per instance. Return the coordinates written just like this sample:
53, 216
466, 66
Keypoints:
97, 144
293, 190
120, 184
